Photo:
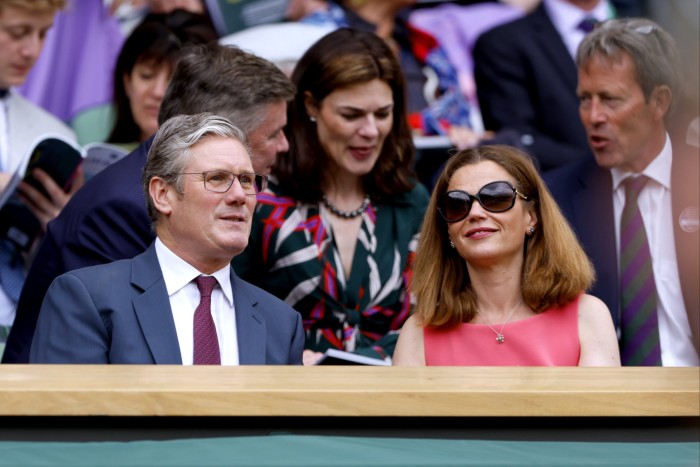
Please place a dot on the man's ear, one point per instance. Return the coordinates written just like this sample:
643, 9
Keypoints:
162, 195
660, 101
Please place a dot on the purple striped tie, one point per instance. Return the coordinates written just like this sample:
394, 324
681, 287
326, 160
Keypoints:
206, 343
587, 24
639, 320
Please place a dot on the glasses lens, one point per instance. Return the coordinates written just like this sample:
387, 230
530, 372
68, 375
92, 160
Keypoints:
221, 181
497, 196
455, 205
247, 182
218, 181
260, 183
252, 183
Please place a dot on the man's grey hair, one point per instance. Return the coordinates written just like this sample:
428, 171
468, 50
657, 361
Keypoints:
652, 50
172, 145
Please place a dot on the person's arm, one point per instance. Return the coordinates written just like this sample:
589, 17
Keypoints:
70, 328
410, 348
47, 208
596, 333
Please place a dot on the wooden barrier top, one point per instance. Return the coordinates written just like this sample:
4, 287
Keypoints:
95, 390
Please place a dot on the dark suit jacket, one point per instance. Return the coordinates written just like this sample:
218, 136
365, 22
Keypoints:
526, 80
106, 220
584, 193
120, 313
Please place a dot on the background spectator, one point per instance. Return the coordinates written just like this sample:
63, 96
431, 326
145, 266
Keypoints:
642, 185
23, 27
144, 68
526, 78
335, 236
75, 71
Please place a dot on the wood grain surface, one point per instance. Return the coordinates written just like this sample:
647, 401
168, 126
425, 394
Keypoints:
347, 391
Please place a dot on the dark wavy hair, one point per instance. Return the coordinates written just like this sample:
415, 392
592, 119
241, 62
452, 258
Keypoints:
340, 59
157, 39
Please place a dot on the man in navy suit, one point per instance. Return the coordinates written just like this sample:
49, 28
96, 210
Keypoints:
629, 83
107, 219
526, 78
201, 191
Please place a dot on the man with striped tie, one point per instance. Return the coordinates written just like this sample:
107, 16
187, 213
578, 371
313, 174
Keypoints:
635, 206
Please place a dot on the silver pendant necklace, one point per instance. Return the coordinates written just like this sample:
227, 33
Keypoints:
500, 338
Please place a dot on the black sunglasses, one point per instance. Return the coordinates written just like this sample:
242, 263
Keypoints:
455, 205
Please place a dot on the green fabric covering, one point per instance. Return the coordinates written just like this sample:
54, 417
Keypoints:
289, 450
93, 124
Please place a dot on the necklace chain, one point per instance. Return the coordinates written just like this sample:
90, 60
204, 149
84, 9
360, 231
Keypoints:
500, 338
346, 214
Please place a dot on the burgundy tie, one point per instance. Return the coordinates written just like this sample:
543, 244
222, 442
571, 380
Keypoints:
206, 343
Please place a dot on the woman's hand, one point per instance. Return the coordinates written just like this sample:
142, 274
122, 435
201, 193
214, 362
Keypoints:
4, 179
309, 357
462, 137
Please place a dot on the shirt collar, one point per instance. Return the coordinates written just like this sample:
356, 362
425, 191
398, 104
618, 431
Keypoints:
658, 170
566, 16
177, 272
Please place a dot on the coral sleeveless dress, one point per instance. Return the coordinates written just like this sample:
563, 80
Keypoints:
547, 339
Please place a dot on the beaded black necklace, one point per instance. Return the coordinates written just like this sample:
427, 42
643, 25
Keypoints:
346, 214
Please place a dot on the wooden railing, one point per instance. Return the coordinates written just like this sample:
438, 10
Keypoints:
266, 391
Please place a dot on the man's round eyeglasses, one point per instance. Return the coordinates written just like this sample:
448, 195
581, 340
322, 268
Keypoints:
220, 181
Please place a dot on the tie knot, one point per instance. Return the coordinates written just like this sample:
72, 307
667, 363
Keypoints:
587, 24
205, 284
634, 186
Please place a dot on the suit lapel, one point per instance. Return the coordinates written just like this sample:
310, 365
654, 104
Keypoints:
152, 309
250, 327
552, 46
598, 237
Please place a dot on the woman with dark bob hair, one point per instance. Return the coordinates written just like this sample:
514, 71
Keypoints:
500, 277
335, 234
144, 67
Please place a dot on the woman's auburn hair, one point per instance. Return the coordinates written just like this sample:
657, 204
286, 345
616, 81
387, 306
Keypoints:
555, 269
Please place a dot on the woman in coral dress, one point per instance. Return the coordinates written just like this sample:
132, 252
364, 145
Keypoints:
500, 277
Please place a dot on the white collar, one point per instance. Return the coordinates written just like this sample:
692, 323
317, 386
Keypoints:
566, 17
177, 272
658, 169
